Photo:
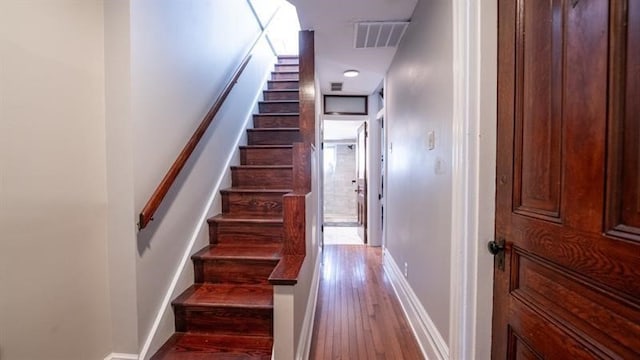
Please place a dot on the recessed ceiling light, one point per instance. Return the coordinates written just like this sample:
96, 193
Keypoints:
351, 73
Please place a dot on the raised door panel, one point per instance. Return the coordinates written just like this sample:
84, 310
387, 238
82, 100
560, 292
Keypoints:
624, 140
521, 350
577, 305
538, 113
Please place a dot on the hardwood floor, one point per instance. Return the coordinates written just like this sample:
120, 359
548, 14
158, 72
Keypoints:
358, 315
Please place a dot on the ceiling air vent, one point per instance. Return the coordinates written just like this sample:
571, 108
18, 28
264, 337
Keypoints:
379, 34
336, 86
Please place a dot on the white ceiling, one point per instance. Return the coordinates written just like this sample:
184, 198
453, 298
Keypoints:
333, 23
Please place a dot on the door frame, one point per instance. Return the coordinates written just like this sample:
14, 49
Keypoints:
362, 155
382, 174
473, 177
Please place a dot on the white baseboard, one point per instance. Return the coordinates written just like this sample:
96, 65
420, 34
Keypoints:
304, 344
117, 356
431, 342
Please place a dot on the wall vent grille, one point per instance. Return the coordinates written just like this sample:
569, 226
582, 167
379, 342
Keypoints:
336, 86
378, 34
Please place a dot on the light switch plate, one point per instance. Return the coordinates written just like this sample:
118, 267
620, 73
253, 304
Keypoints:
431, 140
439, 166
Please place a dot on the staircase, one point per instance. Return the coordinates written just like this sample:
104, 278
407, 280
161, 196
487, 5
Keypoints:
228, 312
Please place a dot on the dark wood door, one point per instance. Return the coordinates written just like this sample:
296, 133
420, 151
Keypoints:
568, 180
361, 180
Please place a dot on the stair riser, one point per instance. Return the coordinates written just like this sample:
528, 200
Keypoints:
285, 76
281, 95
279, 107
266, 156
262, 178
282, 67
287, 61
242, 233
224, 320
252, 204
236, 271
280, 85
276, 121
275, 137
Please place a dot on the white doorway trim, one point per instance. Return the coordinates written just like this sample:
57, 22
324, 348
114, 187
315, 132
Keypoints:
382, 173
473, 173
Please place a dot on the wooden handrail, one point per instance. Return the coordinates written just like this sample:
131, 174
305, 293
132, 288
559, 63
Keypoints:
146, 215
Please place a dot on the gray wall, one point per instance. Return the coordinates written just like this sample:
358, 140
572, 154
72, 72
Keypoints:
121, 219
419, 99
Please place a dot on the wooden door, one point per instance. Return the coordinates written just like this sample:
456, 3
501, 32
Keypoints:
383, 171
361, 180
568, 180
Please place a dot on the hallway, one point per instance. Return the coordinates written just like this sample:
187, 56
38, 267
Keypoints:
358, 315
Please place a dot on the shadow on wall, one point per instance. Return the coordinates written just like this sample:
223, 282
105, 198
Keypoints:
146, 235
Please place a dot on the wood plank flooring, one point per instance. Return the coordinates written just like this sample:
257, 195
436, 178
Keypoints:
358, 315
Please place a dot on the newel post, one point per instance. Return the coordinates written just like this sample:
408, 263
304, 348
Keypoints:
307, 87
294, 203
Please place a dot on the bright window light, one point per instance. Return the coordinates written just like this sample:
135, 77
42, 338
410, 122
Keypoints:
283, 31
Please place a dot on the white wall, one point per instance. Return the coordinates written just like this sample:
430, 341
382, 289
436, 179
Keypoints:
419, 99
487, 74
121, 218
374, 230
475, 109
182, 54
54, 301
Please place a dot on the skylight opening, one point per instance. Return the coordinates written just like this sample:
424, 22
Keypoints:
283, 31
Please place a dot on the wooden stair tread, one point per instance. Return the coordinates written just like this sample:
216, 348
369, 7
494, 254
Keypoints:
281, 90
274, 129
229, 218
194, 346
280, 101
227, 295
277, 114
245, 252
266, 147
254, 191
288, 57
262, 167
